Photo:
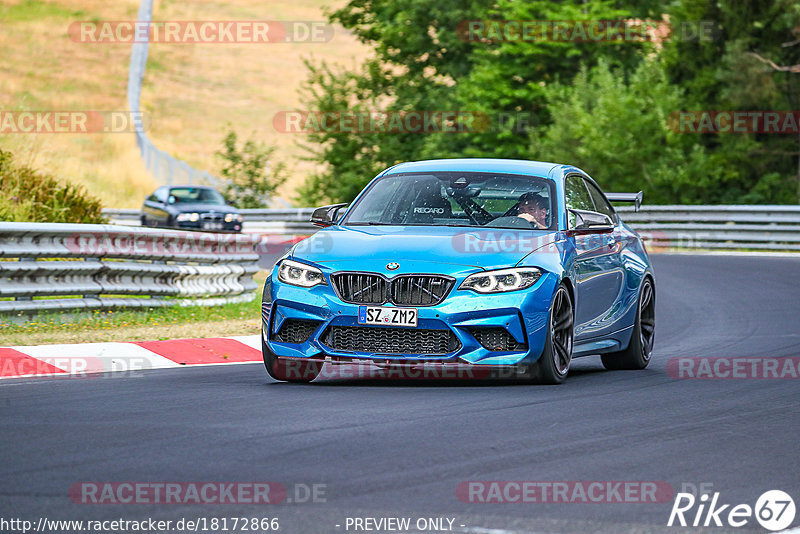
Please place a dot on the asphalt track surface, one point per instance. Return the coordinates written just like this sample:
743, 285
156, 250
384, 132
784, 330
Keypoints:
401, 448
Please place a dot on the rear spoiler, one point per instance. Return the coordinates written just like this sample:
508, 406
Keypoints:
636, 198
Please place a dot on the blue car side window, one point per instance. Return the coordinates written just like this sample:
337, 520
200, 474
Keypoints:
600, 203
577, 196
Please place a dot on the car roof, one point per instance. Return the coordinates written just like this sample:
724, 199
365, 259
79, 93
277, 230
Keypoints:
510, 166
191, 187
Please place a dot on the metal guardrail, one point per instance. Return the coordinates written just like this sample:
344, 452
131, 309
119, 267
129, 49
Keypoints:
760, 227
764, 227
46, 266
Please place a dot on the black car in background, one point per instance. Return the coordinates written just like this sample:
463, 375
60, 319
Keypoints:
191, 208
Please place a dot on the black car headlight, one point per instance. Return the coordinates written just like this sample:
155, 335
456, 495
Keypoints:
299, 274
233, 217
502, 280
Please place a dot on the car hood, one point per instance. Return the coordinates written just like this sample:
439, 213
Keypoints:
419, 248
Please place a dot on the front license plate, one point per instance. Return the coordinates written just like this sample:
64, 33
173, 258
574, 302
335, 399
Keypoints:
212, 226
387, 316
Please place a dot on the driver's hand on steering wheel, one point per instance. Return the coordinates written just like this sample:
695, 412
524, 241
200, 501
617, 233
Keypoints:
531, 219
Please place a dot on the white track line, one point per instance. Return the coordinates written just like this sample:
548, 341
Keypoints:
98, 357
253, 341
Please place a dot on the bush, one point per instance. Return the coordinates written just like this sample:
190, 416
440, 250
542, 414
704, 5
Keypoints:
31, 196
618, 130
252, 177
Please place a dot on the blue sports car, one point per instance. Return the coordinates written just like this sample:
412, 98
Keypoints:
501, 265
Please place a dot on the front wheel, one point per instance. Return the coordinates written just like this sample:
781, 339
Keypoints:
553, 365
640, 349
290, 370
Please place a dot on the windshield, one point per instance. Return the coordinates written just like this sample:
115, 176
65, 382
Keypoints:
457, 199
196, 195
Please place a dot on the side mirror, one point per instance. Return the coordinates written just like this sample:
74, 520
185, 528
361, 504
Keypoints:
172, 199
585, 221
326, 215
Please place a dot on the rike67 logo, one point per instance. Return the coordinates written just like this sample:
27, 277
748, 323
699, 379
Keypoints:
774, 510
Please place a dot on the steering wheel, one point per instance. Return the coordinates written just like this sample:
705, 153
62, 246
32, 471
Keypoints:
475, 212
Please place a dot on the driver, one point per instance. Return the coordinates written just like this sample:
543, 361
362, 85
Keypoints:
533, 208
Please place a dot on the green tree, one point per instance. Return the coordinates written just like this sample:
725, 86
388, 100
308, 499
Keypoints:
252, 175
511, 76
418, 58
623, 134
720, 70
422, 62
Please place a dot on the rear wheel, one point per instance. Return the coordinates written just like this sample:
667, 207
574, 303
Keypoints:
290, 370
640, 349
553, 365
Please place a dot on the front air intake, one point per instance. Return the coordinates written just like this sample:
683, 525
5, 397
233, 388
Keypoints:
497, 340
295, 331
391, 340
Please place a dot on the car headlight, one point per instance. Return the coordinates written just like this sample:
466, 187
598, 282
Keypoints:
230, 217
193, 217
502, 280
299, 274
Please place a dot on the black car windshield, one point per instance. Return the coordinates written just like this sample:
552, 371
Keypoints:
457, 199
196, 195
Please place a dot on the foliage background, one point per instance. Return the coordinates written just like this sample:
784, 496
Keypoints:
603, 106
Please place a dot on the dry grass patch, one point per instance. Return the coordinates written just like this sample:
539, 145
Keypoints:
192, 92
42, 69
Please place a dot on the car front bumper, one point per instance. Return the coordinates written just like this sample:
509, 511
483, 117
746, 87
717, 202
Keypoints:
462, 317
234, 226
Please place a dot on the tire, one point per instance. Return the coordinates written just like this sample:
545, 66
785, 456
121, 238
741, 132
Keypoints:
291, 371
144, 221
553, 365
640, 349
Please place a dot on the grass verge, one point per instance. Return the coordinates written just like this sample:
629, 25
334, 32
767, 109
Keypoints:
148, 324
